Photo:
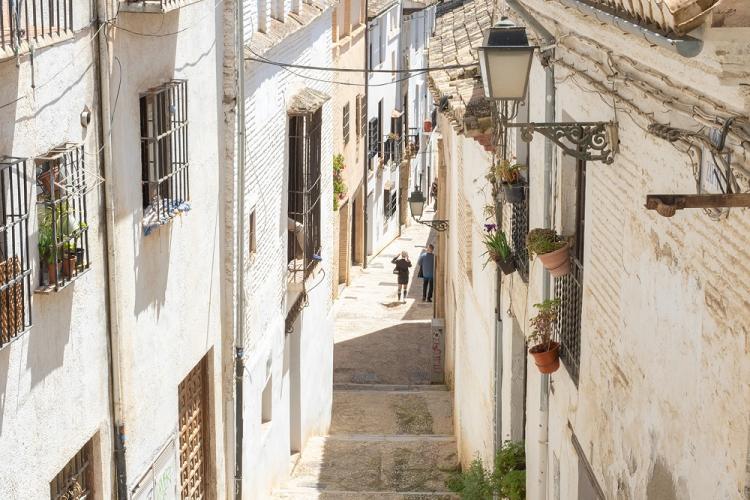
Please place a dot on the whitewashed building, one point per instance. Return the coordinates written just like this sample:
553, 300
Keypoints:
384, 123
652, 333
283, 167
55, 426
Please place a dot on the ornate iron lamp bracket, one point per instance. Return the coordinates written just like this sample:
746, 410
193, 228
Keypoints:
436, 224
588, 141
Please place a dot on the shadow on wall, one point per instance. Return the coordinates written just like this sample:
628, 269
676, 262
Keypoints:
9, 92
151, 266
47, 340
4, 369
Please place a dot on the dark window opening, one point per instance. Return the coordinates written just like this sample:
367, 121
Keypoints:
390, 203
304, 193
345, 123
164, 150
15, 259
62, 215
75, 480
569, 289
373, 138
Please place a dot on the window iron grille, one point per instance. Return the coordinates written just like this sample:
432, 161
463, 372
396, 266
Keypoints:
304, 193
390, 203
414, 135
361, 115
75, 480
569, 289
62, 216
392, 148
27, 22
345, 123
165, 165
15, 259
374, 138
519, 227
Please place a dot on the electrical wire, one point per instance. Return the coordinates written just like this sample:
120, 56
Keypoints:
333, 69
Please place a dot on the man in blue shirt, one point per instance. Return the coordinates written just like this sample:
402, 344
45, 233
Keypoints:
427, 269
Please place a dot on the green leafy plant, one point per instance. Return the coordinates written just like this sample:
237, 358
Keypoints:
543, 325
496, 241
540, 241
339, 185
507, 480
507, 172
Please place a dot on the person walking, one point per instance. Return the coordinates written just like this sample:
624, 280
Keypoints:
402, 270
427, 270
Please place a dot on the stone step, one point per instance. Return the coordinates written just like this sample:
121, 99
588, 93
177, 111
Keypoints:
389, 464
317, 494
402, 412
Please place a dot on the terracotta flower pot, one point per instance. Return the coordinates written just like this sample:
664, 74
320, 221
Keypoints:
514, 193
547, 361
557, 262
52, 273
69, 265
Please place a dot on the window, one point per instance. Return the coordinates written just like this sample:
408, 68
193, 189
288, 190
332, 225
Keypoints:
251, 233
569, 288
164, 151
33, 21
304, 192
373, 138
361, 115
192, 395
519, 227
75, 480
390, 203
15, 259
62, 215
345, 123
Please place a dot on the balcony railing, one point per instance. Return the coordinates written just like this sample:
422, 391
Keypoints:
33, 21
393, 149
569, 289
153, 6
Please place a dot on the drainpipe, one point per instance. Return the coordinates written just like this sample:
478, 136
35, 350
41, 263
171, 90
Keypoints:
113, 310
549, 155
498, 342
685, 46
366, 170
239, 254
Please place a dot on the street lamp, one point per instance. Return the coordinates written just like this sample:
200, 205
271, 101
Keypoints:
416, 205
505, 63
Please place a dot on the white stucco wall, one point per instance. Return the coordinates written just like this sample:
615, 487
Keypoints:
54, 389
169, 282
300, 362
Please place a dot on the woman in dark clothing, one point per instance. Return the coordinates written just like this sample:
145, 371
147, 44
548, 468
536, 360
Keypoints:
402, 269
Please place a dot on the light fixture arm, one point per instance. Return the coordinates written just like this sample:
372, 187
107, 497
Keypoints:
587, 141
439, 225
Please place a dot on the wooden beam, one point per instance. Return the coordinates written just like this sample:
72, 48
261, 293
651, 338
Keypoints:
668, 204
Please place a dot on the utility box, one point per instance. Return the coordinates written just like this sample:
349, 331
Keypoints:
438, 351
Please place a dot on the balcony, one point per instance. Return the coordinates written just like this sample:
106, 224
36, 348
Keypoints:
154, 6
33, 22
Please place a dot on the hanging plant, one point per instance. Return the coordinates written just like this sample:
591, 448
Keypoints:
552, 249
542, 346
498, 249
508, 175
339, 185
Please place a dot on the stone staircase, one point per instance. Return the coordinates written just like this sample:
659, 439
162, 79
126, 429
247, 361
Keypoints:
386, 442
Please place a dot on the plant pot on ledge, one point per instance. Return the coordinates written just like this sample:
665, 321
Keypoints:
546, 360
552, 250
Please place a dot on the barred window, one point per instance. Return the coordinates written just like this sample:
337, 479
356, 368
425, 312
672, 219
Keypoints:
15, 260
345, 123
519, 228
75, 480
390, 203
62, 215
361, 115
569, 288
304, 193
374, 138
33, 21
164, 152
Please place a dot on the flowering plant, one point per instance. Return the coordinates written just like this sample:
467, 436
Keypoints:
496, 241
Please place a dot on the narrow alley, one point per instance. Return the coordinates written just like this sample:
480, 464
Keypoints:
392, 431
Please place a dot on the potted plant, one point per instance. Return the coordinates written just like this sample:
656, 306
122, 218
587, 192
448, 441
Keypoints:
553, 251
546, 351
46, 246
70, 259
498, 249
509, 176
339, 185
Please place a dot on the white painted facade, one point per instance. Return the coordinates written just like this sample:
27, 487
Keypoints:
54, 377
384, 98
288, 376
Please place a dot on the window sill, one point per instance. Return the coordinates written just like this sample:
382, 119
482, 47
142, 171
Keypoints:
154, 7
172, 209
50, 289
45, 41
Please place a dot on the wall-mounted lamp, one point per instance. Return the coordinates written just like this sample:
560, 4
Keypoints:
416, 206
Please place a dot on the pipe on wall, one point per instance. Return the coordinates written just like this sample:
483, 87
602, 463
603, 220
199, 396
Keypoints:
113, 311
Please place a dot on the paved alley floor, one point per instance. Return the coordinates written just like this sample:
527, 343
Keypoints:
391, 435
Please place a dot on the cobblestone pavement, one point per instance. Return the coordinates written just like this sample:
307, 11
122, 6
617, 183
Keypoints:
391, 435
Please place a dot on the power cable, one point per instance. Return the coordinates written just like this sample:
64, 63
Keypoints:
264, 60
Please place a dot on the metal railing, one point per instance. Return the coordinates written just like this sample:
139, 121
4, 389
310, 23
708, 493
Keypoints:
569, 289
413, 138
27, 21
519, 227
393, 149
